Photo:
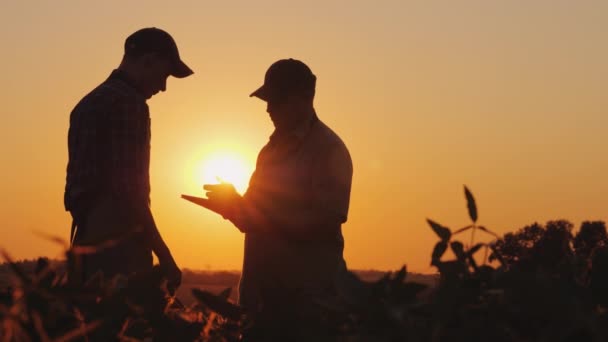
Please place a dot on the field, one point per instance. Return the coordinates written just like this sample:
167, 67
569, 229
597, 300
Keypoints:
543, 282
212, 281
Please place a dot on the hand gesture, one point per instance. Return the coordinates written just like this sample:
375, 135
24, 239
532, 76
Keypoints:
223, 198
173, 275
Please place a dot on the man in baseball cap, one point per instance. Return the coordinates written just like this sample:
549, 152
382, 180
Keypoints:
154, 40
108, 181
286, 76
292, 212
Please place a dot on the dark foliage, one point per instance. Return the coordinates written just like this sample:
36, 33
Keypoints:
541, 283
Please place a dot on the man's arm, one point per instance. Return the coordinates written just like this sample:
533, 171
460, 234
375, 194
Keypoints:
128, 170
158, 246
298, 218
156, 242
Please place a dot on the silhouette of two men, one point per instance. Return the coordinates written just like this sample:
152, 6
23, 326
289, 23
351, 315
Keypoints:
291, 214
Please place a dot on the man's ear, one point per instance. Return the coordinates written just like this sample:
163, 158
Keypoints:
147, 59
298, 100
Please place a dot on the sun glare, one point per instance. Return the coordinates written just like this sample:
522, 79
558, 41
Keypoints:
228, 167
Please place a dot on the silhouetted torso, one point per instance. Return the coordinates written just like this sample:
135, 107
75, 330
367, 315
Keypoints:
109, 143
306, 172
108, 174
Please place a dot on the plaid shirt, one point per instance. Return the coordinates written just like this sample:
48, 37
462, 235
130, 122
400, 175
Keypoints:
109, 144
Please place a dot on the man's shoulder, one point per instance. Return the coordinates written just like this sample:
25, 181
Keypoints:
328, 137
109, 95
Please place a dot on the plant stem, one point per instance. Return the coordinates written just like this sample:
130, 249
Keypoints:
472, 236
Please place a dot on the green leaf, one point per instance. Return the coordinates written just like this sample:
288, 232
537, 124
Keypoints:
472, 262
400, 276
444, 233
474, 249
471, 204
497, 256
458, 249
438, 251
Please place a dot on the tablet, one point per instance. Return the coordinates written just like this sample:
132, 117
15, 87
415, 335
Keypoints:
203, 202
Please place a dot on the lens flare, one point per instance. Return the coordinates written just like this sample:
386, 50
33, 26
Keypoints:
227, 167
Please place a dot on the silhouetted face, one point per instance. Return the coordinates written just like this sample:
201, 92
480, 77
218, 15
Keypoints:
154, 71
286, 112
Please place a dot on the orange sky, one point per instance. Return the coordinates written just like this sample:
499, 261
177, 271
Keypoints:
504, 96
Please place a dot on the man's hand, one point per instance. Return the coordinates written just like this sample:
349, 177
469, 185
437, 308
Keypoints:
172, 273
223, 199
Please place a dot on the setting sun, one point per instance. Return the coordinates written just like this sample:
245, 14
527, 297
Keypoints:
225, 166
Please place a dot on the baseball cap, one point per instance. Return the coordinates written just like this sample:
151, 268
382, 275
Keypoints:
152, 39
286, 76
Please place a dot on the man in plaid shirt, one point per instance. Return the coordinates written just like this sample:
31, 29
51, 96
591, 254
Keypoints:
108, 185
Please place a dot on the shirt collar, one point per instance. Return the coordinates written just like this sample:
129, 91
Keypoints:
299, 132
122, 76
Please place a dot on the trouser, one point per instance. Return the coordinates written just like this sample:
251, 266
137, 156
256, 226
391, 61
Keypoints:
283, 314
113, 240
286, 315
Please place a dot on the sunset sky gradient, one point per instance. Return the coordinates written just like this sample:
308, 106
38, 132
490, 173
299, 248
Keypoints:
507, 97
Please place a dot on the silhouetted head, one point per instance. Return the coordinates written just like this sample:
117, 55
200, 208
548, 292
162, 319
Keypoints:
289, 90
151, 56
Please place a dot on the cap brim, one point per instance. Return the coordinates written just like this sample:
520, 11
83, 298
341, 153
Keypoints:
261, 93
181, 70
